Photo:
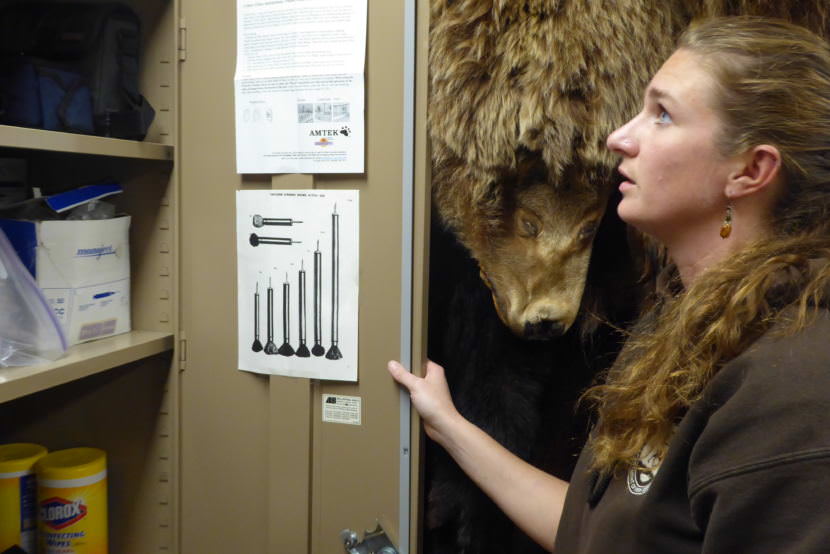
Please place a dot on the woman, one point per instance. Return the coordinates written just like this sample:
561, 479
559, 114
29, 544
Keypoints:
713, 431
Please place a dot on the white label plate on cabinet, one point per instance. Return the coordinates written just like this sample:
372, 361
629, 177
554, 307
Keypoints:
341, 409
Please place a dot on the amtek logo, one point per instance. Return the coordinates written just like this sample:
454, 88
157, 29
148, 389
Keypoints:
323, 133
344, 131
58, 513
95, 252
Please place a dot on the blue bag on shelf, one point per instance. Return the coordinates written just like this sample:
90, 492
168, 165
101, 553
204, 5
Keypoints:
101, 40
29, 331
44, 95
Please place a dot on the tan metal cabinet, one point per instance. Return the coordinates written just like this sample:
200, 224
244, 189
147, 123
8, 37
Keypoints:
204, 458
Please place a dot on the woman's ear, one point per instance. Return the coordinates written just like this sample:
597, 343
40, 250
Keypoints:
759, 169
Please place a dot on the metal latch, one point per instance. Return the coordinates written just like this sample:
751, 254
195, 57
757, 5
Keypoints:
374, 542
182, 40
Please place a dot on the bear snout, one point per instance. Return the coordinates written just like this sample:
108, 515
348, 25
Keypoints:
544, 329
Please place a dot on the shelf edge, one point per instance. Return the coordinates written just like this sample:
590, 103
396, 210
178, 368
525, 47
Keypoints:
72, 143
83, 360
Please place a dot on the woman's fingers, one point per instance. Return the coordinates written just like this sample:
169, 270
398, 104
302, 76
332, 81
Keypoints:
401, 375
430, 396
434, 374
434, 371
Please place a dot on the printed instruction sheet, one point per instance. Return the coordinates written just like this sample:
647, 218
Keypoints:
299, 86
297, 270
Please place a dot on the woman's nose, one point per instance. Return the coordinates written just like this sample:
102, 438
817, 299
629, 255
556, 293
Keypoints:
622, 142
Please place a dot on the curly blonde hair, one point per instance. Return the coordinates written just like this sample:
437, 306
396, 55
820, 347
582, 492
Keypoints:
772, 87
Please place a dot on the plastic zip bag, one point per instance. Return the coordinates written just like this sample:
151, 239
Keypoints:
29, 332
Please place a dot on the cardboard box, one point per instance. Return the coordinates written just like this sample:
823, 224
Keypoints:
83, 268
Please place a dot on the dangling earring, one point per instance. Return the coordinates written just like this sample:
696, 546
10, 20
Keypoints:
726, 227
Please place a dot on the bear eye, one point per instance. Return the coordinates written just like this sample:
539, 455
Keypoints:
529, 228
588, 230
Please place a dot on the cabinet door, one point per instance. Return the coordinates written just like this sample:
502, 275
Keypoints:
261, 471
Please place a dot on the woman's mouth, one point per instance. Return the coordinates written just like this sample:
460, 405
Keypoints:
625, 185
627, 182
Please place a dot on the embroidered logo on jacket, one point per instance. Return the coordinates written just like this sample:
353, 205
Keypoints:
640, 478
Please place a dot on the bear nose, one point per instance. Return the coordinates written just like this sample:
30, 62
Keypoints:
544, 329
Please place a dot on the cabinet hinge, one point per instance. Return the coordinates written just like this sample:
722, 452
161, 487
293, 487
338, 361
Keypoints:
182, 352
182, 40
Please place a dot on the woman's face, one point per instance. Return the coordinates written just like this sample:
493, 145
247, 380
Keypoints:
674, 175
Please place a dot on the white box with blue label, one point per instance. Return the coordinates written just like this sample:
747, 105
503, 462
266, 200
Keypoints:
83, 268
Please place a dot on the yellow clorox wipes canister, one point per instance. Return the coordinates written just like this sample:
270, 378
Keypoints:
18, 495
72, 502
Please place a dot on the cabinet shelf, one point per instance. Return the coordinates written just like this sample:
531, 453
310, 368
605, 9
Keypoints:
83, 360
72, 143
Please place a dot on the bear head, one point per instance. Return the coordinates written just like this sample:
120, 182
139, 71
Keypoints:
523, 94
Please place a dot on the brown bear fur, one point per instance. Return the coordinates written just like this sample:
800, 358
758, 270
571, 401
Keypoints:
812, 14
530, 83
522, 96
522, 83
552, 76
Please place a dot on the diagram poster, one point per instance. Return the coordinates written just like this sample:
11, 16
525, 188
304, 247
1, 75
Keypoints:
297, 267
299, 86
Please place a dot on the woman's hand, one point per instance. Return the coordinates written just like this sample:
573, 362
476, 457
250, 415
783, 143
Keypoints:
430, 396
530, 497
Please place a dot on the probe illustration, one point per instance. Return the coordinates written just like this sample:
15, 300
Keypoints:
270, 347
256, 240
302, 350
257, 346
260, 221
285, 349
318, 349
334, 351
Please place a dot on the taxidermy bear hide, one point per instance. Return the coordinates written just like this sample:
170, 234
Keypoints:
520, 392
523, 94
522, 97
